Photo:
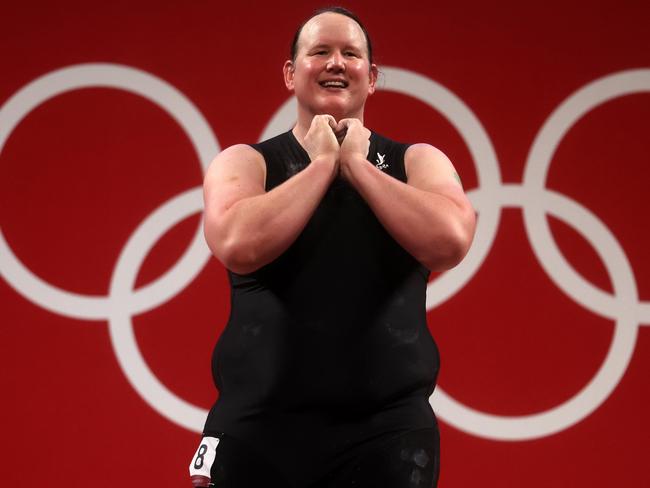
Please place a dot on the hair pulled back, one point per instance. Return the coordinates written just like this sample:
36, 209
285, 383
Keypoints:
335, 10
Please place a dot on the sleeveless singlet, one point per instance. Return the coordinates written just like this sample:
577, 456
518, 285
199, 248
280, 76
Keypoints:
327, 346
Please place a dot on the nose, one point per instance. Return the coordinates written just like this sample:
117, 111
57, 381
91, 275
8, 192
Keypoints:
336, 62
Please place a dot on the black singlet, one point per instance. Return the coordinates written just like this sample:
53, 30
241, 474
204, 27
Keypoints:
327, 347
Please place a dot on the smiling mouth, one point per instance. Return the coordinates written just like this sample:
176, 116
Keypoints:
333, 84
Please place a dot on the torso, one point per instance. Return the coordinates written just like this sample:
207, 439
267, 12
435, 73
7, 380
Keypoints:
333, 333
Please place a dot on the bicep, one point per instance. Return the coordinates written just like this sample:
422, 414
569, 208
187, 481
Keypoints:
428, 169
236, 173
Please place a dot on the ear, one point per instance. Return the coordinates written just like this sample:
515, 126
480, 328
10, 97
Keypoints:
374, 74
288, 70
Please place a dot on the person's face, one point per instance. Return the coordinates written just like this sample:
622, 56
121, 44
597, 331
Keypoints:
331, 73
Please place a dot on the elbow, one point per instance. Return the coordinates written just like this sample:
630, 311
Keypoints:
233, 251
451, 246
444, 256
239, 257
461, 243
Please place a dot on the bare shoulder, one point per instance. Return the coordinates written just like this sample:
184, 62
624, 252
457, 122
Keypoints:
240, 160
428, 164
236, 173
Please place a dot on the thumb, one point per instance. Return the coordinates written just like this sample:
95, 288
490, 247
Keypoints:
342, 125
331, 122
341, 130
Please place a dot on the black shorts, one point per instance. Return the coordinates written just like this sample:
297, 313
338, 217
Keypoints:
397, 460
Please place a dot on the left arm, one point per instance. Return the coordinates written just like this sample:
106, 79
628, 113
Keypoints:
429, 215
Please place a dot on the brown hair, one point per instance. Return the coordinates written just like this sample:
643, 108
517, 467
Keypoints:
336, 10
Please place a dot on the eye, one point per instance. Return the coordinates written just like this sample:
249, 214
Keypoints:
351, 54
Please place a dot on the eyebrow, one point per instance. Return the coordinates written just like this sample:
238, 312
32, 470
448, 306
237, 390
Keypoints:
325, 45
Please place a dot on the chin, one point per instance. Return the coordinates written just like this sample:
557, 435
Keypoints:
338, 110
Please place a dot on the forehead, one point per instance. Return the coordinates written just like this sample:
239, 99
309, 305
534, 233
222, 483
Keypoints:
331, 28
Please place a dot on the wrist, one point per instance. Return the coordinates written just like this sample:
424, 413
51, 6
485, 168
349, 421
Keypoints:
327, 162
353, 159
351, 165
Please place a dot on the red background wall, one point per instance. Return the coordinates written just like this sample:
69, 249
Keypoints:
80, 172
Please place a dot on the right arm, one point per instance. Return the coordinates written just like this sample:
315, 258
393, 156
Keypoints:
245, 226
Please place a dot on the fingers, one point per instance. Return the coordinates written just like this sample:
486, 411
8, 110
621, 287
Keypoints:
340, 129
337, 127
345, 124
340, 135
344, 127
320, 140
332, 122
353, 127
324, 119
323, 123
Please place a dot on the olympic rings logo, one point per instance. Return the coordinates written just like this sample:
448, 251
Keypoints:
123, 300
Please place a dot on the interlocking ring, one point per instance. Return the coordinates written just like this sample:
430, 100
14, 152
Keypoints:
124, 301
624, 307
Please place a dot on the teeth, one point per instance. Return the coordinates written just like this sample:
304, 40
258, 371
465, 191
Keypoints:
337, 84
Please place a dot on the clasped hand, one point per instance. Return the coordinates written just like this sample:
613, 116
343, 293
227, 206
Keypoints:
343, 143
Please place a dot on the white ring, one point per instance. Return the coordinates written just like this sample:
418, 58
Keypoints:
599, 387
488, 172
121, 332
624, 308
548, 139
123, 301
164, 95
